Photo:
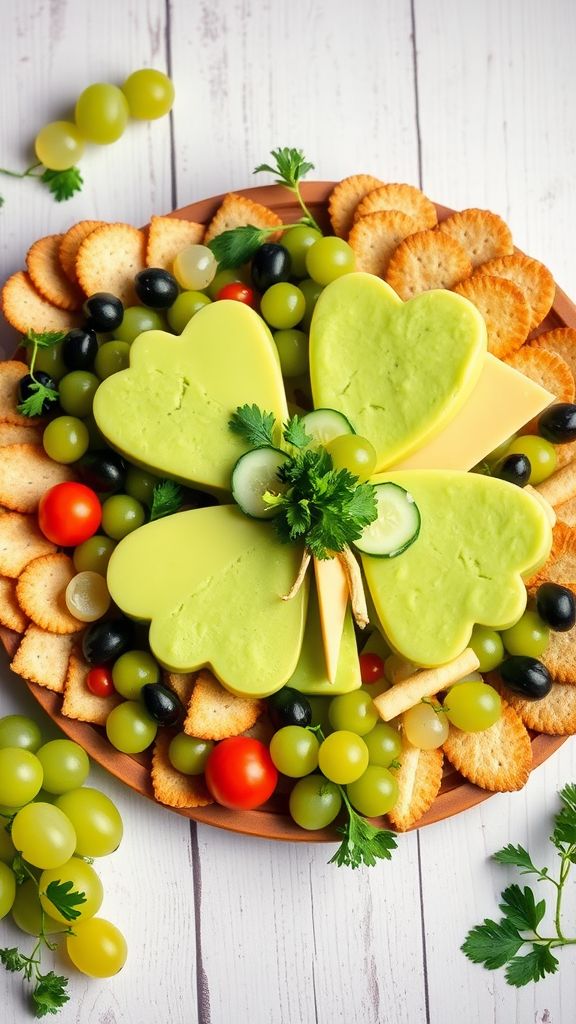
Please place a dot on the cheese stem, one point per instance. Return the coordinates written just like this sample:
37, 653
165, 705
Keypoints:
355, 586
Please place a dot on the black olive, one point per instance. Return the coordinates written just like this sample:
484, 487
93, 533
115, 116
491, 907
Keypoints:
104, 472
28, 387
527, 677
558, 423
515, 469
271, 263
106, 641
162, 704
103, 311
289, 707
79, 349
156, 288
556, 606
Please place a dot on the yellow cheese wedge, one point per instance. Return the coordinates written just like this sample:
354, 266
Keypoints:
502, 402
332, 590
310, 675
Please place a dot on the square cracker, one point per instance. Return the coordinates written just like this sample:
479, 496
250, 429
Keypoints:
237, 212
214, 713
171, 787
498, 759
167, 236
20, 542
43, 657
79, 703
419, 779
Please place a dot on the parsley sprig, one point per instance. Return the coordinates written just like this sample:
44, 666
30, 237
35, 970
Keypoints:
497, 944
166, 499
62, 184
33, 404
290, 166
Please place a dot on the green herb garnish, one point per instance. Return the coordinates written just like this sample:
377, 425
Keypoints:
166, 499
253, 425
497, 944
363, 843
290, 166
33, 404
62, 184
294, 432
237, 246
63, 896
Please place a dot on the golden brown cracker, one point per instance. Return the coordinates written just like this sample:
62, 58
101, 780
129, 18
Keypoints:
566, 512
560, 487
214, 713
560, 561
562, 341
26, 310
498, 759
26, 473
532, 277
42, 658
11, 373
419, 779
167, 236
405, 198
21, 541
547, 369
41, 593
79, 703
554, 715
483, 234
560, 654
70, 244
425, 260
375, 237
11, 614
43, 264
504, 309
171, 787
182, 683
11, 433
237, 212
109, 259
344, 199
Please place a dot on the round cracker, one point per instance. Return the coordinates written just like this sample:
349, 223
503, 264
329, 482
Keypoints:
70, 244
41, 593
11, 373
425, 260
344, 199
26, 310
504, 308
26, 472
405, 198
11, 614
375, 237
562, 341
554, 714
532, 277
109, 259
47, 276
21, 541
547, 369
483, 234
498, 759
11, 433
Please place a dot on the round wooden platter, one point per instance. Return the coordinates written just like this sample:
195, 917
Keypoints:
273, 821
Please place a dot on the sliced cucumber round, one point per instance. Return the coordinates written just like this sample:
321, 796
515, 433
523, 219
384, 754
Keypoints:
325, 424
396, 526
254, 474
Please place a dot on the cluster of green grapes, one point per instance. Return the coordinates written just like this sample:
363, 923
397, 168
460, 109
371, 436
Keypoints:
52, 826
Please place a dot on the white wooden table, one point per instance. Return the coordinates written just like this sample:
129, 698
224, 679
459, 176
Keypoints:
474, 101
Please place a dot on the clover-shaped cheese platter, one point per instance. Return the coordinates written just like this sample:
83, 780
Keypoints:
405, 364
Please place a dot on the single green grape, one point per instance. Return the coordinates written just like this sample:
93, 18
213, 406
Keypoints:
49, 360
529, 636
298, 241
65, 765
112, 357
121, 514
384, 744
375, 792
27, 911
184, 308
541, 454
232, 275
101, 113
311, 291
130, 728
283, 305
314, 802
472, 707
487, 646
133, 670
20, 776
94, 554
354, 711
136, 320
7, 889
43, 835
150, 94
425, 727
97, 948
354, 453
140, 485
343, 756
95, 818
65, 439
84, 879
195, 267
188, 755
292, 348
19, 731
77, 390
294, 751
59, 145
329, 258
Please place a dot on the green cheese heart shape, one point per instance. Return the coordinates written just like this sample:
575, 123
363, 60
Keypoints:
210, 582
478, 536
169, 410
399, 371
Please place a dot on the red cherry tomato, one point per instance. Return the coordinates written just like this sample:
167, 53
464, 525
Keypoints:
99, 681
69, 514
240, 774
371, 668
239, 292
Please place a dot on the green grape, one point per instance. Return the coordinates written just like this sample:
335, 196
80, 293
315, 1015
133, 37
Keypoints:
424, 727
20, 776
130, 728
188, 754
354, 711
7, 848
59, 145
84, 879
320, 707
195, 267
7, 889
529, 636
311, 291
298, 241
140, 485
43, 835
49, 360
314, 802
294, 751
97, 948
101, 113
184, 308
133, 670
384, 744
343, 756
121, 514
94, 554
375, 792
541, 454
472, 707
65, 765
18, 731
232, 275
136, 320
487, 646
112, 357
77, 390
65, 439
27, 912
150, 94
283, 305
292, 348
96, 821
328, 259
354, 453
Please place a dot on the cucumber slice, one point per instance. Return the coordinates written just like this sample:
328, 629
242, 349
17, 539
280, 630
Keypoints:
325, 424
397, 525
253, 475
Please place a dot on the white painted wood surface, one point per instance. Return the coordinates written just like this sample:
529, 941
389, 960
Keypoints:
475, 100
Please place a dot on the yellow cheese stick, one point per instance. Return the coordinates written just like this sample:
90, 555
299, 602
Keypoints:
332, 590
426, 683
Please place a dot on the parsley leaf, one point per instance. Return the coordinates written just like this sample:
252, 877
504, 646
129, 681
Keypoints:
290, 166
63, 184
65, 898
564, 834
43, 339
49, 994
166, 499
540, 961
492, 944
295, 432
517, 856
33, 405
11, 959
253, 425
521, 909
237, 246
363, 843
